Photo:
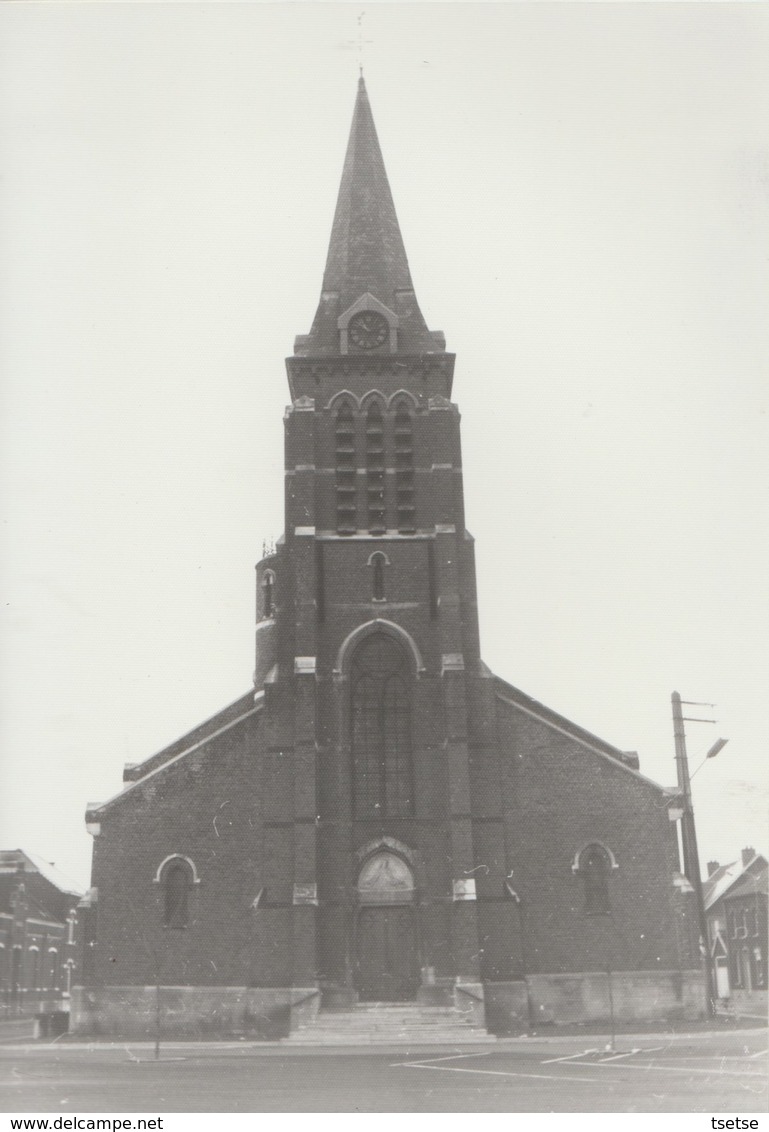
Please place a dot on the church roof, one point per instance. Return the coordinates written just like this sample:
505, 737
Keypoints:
628, 760
366, 255
194, 742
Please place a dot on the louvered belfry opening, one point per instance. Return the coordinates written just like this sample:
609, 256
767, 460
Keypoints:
375, 470
346, 506
404, 470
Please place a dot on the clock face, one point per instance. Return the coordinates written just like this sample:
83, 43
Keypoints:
368, 329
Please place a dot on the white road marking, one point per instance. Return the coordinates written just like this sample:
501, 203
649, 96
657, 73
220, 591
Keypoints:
446, 1057
761, 1053
496, 1072
633, 1052
571, 1057
668, 1069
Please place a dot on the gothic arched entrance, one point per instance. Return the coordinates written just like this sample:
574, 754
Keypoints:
387, 968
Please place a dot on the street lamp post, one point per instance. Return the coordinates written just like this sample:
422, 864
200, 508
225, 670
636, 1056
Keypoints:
691, 860
510, 891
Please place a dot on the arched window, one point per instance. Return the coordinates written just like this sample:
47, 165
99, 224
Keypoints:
594, 867
404, 470
268, 594
53, 968
375, 470
33, 982
377, 562
346, 491
176, 881
381, 729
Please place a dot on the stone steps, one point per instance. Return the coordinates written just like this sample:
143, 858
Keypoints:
390, 1024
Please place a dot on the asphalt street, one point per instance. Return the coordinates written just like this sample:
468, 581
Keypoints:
679, 1073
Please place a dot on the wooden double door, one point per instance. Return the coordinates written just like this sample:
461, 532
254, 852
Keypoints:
388, 961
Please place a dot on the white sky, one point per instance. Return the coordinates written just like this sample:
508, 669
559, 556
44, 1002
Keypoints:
582, 192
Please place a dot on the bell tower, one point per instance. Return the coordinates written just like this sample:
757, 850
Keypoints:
367, 623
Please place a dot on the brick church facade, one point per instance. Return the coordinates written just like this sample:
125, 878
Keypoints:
381, 818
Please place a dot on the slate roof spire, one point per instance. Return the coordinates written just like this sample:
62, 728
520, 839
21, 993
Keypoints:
366, 253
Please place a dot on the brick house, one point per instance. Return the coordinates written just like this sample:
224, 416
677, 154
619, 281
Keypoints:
380, 818
736, 909
38, 938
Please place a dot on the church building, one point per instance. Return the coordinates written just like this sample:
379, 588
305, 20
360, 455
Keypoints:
380, 819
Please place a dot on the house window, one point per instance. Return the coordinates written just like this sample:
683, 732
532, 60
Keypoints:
53, 963
34, 968
759, 967
176, 881
595, 867
381, 729
745, 979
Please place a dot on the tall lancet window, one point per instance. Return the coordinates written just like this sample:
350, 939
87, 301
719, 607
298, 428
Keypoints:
404, 470
344, 437
595, 867
375, 470
377, 562
381, 729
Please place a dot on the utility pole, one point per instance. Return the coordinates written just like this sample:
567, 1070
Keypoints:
691, 862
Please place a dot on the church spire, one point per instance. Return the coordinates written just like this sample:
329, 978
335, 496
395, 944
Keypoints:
366, 256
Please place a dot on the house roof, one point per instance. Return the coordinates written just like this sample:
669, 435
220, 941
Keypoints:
750, 885
722, 879
15, 860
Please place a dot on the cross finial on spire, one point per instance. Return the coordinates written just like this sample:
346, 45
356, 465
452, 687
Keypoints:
361, 41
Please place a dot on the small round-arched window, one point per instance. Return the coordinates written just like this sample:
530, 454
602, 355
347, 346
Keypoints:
385, 878
177, 880
268, 594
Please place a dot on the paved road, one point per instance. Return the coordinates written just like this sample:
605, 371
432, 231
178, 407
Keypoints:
695, 1073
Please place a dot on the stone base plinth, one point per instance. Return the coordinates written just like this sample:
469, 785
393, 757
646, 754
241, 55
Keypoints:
191, 1012
592, 996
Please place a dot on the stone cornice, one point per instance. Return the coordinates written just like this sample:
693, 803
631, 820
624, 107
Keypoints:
398, 368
